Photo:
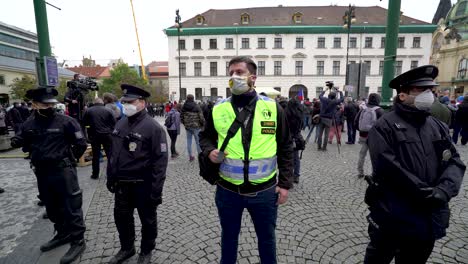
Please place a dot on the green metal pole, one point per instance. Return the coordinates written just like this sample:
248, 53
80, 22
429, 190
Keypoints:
391, 41
42, 36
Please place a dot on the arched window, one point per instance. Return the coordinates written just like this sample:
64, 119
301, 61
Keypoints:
297, 18
245, 19
462, 68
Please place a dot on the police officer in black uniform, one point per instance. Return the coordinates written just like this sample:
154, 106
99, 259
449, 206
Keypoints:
416, 171
54, 141
136, 173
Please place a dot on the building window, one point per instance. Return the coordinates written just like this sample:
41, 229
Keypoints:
277, 89
227, 68
382, 43
278, 43
321, 43
213, 68
2, 79
318, 91
229, 43
228, 92
198, 94
297, 18
214, 93
245, 19
183, 69
182, 44
416, 42
401, 42
197, 44
462, 68
337, 43
213, 44
245, 43
183, 94
299, 43
336, 68
367, 64
197, 68
320, 67
277, 70
398, 67
353, 42
352, 62
368, 43
261, 68
381, 65
261, 43
200, 20
299, 65
414, 64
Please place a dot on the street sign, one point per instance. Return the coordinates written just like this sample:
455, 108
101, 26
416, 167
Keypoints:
51, 71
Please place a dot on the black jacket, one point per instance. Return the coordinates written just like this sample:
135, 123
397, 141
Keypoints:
461, 117
350, 111
15, 115
406, 147
209, 140
139, 152
50, 140
99, 119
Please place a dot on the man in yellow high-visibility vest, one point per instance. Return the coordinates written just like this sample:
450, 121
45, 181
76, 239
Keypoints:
256, 166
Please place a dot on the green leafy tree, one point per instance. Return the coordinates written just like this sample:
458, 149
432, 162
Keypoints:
121, 74
21, 85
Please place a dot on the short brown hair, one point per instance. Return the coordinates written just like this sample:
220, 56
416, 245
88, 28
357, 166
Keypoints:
250, 63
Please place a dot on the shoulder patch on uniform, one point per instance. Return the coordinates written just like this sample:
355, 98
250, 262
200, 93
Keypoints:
78, 135
163, 147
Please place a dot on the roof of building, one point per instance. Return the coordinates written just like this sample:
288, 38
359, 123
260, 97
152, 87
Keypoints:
283, 16
158, 63
93, 72
25, 66
158, 68
18, 30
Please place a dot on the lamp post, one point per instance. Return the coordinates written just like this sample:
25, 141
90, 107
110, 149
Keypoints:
179, 28
348, 19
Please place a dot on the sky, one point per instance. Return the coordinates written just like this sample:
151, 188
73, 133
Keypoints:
104, 29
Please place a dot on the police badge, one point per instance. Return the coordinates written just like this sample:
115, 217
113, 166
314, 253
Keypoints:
132, 146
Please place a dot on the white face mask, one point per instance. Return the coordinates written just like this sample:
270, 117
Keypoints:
424, 100
129, 109
238, 84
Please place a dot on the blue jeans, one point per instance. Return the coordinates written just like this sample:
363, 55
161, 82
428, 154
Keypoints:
306, 122
262, 208
351, 132
297, 164
192, 132
456, 132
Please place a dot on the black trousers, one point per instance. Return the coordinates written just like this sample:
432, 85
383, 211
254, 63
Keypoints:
96, 141
385, 245
63, 198
173, 136
129, 196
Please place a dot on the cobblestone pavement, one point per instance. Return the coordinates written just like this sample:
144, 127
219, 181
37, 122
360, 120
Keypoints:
322, 222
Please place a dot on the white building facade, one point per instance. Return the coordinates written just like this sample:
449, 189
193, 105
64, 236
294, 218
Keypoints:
288, 57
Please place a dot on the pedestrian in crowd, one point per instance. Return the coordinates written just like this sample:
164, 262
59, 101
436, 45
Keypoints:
24, 111
307, 108
54, 142
416, 171
294, 114
15, 117
453, 107
110, 103
445, 99
240, 186
350, 111
206, 108
366, 119
173, 128
328, 107
100, 122
167, 108
337, 125
136, 172
462, 120
441, 111
193, 120
3, 126
283, 102
314, 120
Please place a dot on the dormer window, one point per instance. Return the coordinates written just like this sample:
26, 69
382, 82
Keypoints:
297, 18
245, 19
200, 20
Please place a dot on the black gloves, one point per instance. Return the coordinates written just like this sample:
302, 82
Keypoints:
435, 196
110, 186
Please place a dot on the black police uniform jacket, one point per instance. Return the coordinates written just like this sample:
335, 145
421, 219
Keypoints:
139, 152
51, 139
406, 148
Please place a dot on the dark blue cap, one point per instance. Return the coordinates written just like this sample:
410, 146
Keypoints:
42, 94
418, 77
131, 93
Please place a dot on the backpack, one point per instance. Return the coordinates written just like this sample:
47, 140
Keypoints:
168, 122
368, 118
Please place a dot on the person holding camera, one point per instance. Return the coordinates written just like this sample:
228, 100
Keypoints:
74, 99
328, 108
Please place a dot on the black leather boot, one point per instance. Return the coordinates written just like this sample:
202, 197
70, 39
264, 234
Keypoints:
122, 255
144, 258
76, 248
57, 241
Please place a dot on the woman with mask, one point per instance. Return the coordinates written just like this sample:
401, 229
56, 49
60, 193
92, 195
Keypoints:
173, 127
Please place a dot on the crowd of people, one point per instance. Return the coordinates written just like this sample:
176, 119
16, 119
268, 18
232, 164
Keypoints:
250, 146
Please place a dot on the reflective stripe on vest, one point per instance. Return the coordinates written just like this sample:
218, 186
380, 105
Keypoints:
258, 169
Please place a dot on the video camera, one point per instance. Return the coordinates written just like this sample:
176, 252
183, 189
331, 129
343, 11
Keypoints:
84, 85
329, 84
